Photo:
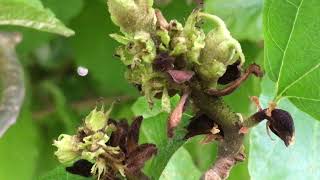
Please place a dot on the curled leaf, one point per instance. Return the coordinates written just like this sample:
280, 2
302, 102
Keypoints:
176, 114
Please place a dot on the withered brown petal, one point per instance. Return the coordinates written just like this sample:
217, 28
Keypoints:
232, 73
163, 62
200, 124
81, 167
139, 156
133, 134
281, 124
180, 76
176, 114
118, 138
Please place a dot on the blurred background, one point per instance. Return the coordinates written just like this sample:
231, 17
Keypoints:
58, 98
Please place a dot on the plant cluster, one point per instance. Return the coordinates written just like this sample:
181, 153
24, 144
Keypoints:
165, 58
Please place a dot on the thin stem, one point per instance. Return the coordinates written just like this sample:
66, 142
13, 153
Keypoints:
252, 69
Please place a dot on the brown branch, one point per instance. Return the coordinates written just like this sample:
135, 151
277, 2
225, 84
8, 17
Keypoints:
230, 150
252, 69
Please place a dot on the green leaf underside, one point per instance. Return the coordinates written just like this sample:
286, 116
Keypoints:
243, 17
60, 173
19, 153
270, 160
32, 15
180, 167
154, 130
292, 53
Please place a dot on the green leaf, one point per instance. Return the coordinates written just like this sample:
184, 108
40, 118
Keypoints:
94, 50
61, 174
31, 14
270, 160
19, 153
243, 17
65, 10
154, 130
292, 41
180, 167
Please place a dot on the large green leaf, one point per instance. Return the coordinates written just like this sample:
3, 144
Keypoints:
243, 17
61, 174
19, 153
154, 130
292, 51
269, 160
31, 14
181, 167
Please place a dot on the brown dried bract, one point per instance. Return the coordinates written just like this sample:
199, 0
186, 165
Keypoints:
176, 114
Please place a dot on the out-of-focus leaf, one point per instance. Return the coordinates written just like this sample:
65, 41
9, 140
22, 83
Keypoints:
31, 14
19, 153
180, 167
94, 50
239, 101
273, 160
292, 41
243, 17
61, 174
154, 130
203, 155
34, 39
65, 10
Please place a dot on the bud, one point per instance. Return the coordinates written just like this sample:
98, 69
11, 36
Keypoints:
133, 15
68, 151
97, 120
220, 50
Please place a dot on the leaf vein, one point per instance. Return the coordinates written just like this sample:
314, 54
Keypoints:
301, 77
287, 45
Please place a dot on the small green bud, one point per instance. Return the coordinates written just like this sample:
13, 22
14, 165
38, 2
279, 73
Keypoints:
97, 120
164, 36
180, 46
165, 101
196, 37
68, 151
220, 50
133, 15
145, 45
